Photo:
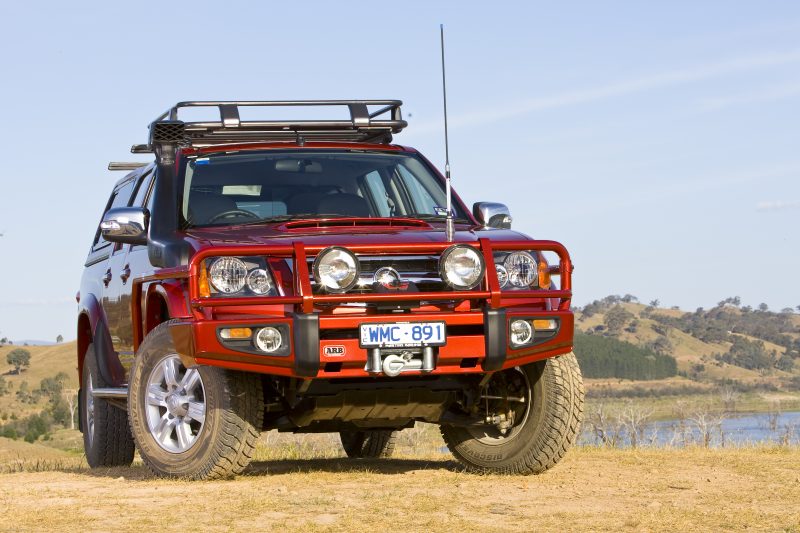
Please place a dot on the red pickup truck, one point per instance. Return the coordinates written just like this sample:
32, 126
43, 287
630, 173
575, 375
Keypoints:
296, 275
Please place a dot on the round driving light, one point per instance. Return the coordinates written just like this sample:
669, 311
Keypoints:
521, 332
227, 274
521, 268
462, 267
336, 269
502, 275
259, 281
268, 339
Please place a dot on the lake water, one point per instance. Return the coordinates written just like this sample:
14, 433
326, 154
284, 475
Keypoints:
731, 430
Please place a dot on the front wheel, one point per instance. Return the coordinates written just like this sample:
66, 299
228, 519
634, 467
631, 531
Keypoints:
536, 412
198, 423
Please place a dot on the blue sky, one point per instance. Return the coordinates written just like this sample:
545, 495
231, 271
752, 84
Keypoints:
658, 142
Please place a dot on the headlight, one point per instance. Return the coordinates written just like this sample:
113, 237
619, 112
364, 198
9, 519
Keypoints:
521, 268
336, 269
227, 274
241, 276
462, 267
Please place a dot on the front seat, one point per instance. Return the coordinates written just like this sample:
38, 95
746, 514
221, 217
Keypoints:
343, 204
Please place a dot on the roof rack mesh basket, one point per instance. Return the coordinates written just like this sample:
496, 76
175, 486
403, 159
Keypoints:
369, 121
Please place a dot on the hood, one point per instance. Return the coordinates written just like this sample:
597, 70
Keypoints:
342, 233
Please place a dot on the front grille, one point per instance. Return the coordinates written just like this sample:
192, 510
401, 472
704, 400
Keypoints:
421, 270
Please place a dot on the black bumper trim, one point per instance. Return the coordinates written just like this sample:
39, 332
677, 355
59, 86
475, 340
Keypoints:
496, 337
306, 344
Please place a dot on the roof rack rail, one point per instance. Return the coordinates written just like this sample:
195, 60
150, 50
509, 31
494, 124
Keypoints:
364, 124
118, 165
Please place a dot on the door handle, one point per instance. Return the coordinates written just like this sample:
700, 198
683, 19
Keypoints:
125, 274
107, 277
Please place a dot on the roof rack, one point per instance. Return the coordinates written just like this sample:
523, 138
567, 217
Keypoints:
364, 125
119, 165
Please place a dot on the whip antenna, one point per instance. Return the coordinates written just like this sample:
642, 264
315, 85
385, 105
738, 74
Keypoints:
448, 228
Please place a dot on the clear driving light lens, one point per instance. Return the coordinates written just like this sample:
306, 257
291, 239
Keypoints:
502, 275
268, 339
227, 274
259, 281
521, 268
521, 332
462, 267
336, 269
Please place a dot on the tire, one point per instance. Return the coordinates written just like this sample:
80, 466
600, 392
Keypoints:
371, 444
198, 423
107, 439
548, 428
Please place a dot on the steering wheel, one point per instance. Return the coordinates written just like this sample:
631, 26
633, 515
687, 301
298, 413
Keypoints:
232, 213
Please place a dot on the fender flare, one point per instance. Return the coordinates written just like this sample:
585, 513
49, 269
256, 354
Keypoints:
108, 362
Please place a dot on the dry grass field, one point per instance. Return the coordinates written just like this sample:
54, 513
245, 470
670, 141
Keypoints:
311, 489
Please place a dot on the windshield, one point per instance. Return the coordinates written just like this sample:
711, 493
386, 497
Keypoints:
255, 187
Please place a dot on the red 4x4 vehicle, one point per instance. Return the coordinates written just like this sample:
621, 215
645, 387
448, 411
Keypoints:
298, 275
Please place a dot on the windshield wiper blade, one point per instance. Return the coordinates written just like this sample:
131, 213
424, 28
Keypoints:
428, 216
287, 218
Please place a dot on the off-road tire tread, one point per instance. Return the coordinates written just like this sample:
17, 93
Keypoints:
560, 425
371, 444
116, 445
241, 420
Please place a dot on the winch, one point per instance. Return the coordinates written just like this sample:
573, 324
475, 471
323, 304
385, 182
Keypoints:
393, 364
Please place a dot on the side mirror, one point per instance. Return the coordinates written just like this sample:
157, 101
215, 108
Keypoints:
492, 215
126, 225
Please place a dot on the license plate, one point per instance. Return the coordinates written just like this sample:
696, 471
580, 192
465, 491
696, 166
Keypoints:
403, 335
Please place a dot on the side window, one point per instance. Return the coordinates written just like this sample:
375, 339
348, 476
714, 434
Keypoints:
145, 184
119, 198
420, 196
378, 192
142, 190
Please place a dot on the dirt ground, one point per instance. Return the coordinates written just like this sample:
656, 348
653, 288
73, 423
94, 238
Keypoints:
592, 489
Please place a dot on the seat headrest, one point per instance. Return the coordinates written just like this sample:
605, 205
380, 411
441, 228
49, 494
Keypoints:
343, 204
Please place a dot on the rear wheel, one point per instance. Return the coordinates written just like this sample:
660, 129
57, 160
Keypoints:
199, 423
371, 444
107, 439
536, 411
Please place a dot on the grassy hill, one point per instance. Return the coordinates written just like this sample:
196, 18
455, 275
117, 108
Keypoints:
46, 362
711, 347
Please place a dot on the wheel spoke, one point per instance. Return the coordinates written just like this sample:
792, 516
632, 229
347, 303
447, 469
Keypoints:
190, 380
163, 430
184, 433
171, 371
197, 411
156, 396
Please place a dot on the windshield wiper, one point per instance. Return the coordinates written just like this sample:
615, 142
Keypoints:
428, 216
287, 218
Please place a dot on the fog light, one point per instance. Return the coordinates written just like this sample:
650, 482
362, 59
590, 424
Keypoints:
545, 325
268, 339
521, 332
236, 333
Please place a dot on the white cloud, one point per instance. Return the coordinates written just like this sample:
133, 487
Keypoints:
775, 205
620, 88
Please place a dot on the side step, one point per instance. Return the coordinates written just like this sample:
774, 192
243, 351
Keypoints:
116, 393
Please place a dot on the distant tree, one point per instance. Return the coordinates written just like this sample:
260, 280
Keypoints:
629, 298
787, 311
4, 340
655, 303
616, 318
52, 387
59, 339
763, 307
785, 363
71, 398
661, 346
19, 358
746, 309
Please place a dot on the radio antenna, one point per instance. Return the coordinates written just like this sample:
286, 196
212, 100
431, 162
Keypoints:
449, 230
